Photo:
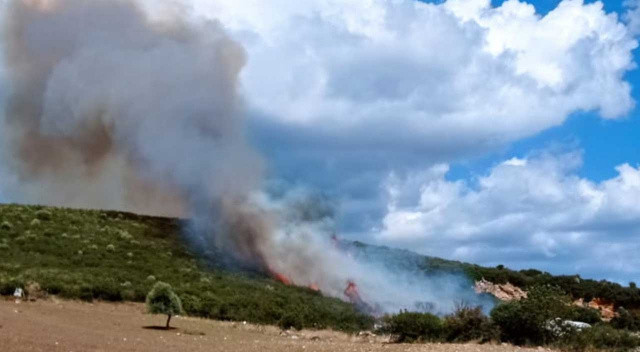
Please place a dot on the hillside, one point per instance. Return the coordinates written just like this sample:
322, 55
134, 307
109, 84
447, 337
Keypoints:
574, 285
116, 256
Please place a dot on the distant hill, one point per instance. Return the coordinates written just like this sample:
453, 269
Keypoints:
574, 285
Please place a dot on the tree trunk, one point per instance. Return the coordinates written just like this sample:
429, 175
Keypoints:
168, 320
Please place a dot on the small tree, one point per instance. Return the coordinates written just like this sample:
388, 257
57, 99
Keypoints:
162, 300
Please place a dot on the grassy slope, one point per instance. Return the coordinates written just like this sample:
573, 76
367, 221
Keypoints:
117, 256
111, 256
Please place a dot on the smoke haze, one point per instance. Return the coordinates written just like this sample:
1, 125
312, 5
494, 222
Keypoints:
110, 108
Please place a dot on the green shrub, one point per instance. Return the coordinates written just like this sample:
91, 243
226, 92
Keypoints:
585, 315
163, 300
210, 307
107, 291
6, 226
124, 235
599, 337
469, 324
191, 304
111, 248
128, 295
44, 215
9, 284
526, 321
413, 327
626, 320
291, 320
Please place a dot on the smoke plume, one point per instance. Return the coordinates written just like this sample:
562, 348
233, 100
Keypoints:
111, 108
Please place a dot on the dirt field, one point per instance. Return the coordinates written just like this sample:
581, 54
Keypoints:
55, 325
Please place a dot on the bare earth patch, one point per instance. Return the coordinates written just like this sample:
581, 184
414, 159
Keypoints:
55, 325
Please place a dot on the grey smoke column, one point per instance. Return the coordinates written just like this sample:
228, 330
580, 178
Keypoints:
110, 109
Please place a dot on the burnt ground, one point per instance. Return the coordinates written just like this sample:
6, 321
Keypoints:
55, 325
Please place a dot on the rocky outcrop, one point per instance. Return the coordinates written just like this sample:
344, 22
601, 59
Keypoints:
504, 292
607, 310
509, 292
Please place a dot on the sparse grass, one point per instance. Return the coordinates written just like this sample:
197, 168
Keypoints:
114, 256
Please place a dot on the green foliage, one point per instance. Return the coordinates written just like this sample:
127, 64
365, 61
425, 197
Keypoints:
525, 321
626, 320
469, 324
599, 338
573, 285
72, 263
413, 327
585, 315
6, 226
291, 320
44, 215
163, 300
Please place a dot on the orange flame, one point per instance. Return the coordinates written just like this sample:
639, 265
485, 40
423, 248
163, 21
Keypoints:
352, 292
280, 277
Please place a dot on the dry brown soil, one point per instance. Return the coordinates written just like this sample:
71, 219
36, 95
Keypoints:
55, 325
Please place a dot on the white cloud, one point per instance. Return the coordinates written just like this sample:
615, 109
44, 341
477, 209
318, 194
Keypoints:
453, 76
533, 212
632, 15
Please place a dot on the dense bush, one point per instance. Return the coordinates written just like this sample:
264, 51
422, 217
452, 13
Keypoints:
599, 337
469, 324
291, 320
585, 315
413, 327
626, 320
526, 321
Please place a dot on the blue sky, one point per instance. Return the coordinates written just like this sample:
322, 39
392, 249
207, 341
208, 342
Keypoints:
605, 143
501, 132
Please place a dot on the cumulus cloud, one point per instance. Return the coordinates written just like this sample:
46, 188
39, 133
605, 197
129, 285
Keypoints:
439, 77
530, 212
632, 15
341, 92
